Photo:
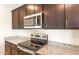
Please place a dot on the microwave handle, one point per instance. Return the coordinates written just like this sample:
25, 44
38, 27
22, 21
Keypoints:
36, 20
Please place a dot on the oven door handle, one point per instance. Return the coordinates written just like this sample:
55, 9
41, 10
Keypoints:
26, 50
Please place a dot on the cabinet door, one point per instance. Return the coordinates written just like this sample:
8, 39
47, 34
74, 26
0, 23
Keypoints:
13, 49
39, 8
53, 16
72, 16
21, 16
7, 48
60, 16
15, 22
30, 9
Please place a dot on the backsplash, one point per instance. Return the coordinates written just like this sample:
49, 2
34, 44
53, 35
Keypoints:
63, 36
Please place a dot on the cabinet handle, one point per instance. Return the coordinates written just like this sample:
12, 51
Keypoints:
66, 22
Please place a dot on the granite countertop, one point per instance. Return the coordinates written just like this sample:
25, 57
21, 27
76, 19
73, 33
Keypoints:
52, 48
43, 51
55, 48
16, 39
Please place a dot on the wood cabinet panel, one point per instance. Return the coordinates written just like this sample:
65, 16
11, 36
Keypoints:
7, 48
60, 16
53, 16
30, 9
15, 19
72, 16
22, 13
39, 8
12, 49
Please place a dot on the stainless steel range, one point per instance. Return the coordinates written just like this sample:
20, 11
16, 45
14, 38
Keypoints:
36, 42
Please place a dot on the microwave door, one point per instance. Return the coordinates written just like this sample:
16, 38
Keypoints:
28, 22
33, 21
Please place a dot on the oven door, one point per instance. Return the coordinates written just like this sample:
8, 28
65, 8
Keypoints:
26, 50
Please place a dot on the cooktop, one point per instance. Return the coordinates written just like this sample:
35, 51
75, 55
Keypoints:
36, 42
29, 45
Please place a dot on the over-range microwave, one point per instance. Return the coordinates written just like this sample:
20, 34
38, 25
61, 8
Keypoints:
33, 21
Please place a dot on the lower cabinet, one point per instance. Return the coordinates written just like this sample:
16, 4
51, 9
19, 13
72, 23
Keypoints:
12, 49
7, 48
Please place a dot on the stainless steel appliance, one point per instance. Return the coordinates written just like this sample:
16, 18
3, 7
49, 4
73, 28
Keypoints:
36, 42
33, 21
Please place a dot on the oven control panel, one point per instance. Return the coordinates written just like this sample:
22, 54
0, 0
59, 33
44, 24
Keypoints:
39, 36
39, 39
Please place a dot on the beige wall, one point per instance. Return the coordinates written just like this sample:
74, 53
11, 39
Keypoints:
6, 25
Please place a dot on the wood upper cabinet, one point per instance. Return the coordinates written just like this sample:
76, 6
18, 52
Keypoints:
22, 13
15, 19
33, 8
39, 8
18, 17
53, 16
29, 8
60, 16
72, 16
